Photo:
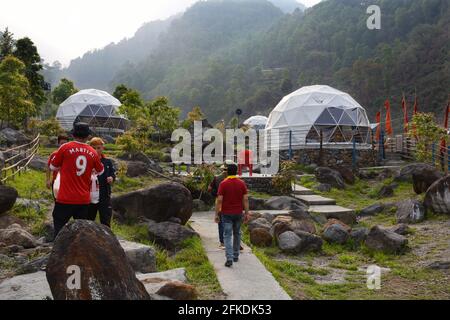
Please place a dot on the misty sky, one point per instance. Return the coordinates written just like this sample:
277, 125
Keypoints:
64, 30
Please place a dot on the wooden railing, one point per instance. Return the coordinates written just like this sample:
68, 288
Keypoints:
19, 158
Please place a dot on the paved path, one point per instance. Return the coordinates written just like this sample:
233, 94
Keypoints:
246, 280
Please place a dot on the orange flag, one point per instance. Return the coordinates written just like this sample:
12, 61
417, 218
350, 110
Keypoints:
416, 105
378, 120
405, 114
416, 111
389, 130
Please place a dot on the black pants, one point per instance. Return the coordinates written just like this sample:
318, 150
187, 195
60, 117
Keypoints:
62, 213
104, 208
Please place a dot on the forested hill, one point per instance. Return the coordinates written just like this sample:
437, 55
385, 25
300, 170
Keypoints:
223, 55
96, 68
329, 44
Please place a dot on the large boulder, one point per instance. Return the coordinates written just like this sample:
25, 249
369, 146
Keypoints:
309, 242
437, 198
410, 211
257, 203
141, 257
170, 235
7, 220
385, 240
406, 173
282, 224
289, 242
8, 196
330, 176
26, 287
136, 169
105, 272
10, 137
177, 290
261, 237
359, 236
16, 235
372, 210
299, 242
155, 281
386, 191
284, 203
158, 203
259, 223
336, 233
39, 163
424, 177
346, 173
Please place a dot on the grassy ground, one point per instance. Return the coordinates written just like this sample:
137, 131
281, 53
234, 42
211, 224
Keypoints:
363, 193
339, 271
192, 257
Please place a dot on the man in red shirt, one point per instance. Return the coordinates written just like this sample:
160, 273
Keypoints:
232, 202
75, 161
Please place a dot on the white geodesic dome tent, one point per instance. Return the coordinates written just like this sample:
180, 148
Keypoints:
312, 113
97, 108
256, 122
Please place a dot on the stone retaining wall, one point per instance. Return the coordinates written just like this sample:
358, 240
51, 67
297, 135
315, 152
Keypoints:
334, 157
259, 184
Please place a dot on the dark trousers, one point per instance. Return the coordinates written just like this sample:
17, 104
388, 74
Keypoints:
62, 213
221, 229
104, 208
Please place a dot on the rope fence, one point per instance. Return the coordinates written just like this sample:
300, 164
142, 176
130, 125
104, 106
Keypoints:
18, 159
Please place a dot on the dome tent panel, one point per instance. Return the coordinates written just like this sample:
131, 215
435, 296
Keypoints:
346, 120
336, 113
325, 119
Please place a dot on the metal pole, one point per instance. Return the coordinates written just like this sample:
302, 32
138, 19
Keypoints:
354, 153
290, 144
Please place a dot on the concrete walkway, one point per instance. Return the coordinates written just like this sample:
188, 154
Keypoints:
246, 280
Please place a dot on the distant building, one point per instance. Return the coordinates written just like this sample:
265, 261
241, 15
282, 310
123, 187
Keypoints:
95, 107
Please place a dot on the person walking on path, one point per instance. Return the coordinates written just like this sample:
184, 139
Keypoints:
232, 204
75, 162
103, 206
213, 189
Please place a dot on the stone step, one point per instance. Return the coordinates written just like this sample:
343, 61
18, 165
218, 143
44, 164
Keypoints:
315, 200
330, 209
301, 191
323, 213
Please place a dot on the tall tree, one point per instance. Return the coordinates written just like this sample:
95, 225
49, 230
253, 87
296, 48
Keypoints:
27, 52
6, 44
64, 90
15, 103
120, 90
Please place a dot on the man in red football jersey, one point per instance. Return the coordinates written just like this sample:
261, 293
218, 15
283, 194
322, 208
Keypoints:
75, 161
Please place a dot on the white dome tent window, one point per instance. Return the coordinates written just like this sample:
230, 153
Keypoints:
311, 114
97, 108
